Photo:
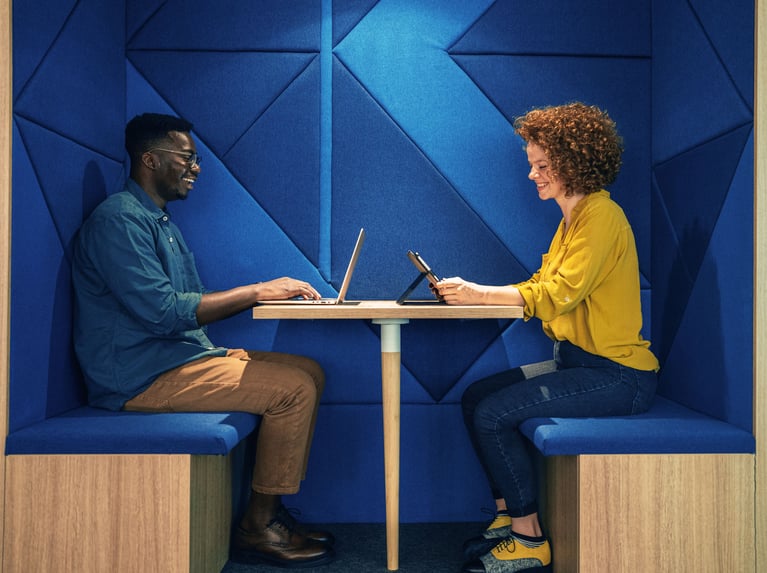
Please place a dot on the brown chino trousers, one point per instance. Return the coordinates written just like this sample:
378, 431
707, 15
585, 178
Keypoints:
283, 388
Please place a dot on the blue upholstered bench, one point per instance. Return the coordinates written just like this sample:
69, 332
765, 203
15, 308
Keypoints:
131, 491
667, 427
668, 490
87, 430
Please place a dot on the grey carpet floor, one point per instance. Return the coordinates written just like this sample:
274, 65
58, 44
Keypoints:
361, 548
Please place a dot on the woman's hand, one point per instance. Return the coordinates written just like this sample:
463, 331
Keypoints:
455, 290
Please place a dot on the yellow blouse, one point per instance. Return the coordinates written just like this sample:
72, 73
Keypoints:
587, 289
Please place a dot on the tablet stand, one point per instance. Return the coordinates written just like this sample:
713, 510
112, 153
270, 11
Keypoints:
403, 297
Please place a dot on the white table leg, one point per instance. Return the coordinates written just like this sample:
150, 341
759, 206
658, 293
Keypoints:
390, 379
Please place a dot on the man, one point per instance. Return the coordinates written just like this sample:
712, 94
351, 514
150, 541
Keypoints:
140, 337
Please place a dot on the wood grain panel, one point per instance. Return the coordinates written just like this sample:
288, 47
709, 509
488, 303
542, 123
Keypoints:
760, 280
6, 92
117, 513
650, 513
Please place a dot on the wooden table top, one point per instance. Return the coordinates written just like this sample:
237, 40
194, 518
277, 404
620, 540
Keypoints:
383, 309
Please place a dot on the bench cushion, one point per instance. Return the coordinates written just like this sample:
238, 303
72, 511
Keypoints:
667, 427
87, 430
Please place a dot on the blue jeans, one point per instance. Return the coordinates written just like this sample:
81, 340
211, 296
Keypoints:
576, 384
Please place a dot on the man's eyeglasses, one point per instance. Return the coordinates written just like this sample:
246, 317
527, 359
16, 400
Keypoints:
192, 158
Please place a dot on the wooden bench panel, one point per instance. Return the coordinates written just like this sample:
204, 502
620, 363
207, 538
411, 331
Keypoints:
650, 513
117, 513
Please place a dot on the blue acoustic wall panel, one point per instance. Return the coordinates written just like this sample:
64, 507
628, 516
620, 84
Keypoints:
702, 130
68, 117
418, 148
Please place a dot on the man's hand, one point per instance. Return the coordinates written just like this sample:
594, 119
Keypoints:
223, 304
284, 288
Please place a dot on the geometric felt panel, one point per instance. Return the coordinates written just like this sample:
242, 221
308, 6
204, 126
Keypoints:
407, 71
708, 365
234, 239
346, 15
727, 30
242, 85
435, 450
265, 25
283, 174
457, 344
550, 27
694, 98
68, 199
68, 122
30, 49
137, 12
707, 171
381, 176
734, 234
78, 89
703, 205
44, 376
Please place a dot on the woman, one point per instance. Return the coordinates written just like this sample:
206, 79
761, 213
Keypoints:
587, 296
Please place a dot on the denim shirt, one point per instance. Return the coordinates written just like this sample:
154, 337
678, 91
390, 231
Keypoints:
136, 292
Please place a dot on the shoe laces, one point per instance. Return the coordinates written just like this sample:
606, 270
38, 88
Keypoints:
504, 545
278, 523
286, 516
281, 522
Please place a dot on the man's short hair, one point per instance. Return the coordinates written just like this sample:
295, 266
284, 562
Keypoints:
150, 130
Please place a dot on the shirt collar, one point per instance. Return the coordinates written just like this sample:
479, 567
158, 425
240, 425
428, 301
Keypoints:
586, 198
132, 187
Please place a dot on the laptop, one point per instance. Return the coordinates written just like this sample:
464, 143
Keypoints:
344, 285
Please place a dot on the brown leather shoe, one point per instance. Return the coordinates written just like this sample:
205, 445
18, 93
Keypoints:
277, 544
285, 515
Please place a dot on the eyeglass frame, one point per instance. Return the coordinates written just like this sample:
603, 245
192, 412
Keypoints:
192, 161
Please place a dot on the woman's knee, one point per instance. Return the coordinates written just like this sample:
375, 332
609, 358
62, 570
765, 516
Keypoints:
471, 395
485, 417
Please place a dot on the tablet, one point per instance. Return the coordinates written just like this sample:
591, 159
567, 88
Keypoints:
424, 272
421, 265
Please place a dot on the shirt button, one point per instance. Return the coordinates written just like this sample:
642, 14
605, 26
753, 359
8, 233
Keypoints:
171, 239
165, 218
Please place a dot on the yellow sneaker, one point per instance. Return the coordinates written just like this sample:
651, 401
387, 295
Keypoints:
502, 519
499, 528
513, 555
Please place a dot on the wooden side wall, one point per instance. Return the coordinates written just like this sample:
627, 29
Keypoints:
6, 110
760, 281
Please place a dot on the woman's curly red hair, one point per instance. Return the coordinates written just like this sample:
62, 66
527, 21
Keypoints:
580, 141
